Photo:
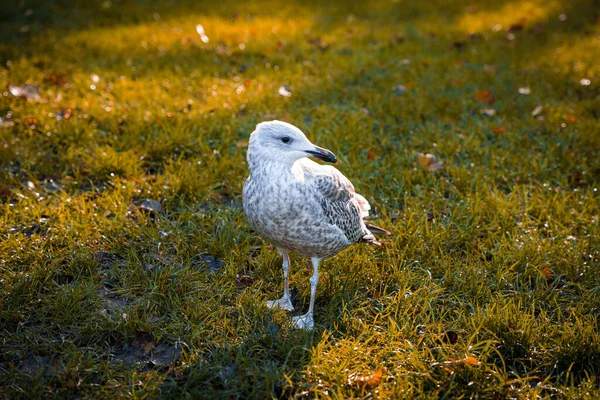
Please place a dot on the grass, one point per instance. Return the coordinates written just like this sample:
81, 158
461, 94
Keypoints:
489, 286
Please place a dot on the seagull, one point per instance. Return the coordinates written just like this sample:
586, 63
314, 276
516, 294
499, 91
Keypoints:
301, 206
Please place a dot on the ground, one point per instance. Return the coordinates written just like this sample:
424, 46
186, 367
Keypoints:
127, 267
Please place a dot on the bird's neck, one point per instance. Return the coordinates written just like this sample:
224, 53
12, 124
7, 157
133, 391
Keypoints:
275, 168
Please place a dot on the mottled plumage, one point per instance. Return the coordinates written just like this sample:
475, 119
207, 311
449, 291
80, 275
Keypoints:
299, 205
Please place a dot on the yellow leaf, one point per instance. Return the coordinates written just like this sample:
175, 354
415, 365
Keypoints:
366, 381
470, 360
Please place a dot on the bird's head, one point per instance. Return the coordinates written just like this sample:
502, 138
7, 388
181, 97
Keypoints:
281, 142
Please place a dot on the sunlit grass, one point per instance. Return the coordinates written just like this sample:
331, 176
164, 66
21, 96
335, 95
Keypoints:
494, 256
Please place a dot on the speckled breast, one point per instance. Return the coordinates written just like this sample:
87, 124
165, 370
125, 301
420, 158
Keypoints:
290, 217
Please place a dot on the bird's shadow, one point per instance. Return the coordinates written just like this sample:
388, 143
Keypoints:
270, 361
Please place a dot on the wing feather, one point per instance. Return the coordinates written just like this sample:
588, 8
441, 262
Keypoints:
341, 204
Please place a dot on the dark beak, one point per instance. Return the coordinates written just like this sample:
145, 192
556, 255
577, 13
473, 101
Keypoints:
323, 154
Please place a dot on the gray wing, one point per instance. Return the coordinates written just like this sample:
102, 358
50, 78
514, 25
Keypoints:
342, 206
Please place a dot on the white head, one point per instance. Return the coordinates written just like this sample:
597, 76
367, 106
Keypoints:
281, 142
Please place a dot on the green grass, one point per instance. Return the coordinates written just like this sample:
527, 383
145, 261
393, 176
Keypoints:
493, 256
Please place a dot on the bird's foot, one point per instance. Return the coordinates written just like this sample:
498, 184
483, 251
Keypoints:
284, 303
304, 321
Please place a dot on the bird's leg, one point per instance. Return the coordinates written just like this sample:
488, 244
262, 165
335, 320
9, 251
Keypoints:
286, 301
306, 321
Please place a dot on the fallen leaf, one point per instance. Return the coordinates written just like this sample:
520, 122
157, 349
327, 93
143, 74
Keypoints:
547, 272
27, 91
500, 129
31, 121
369, 381
485, 96
243, 281
468, 360
285, 91
55, 79
143, 341
65, 114
570, 118
371, 155
429, 162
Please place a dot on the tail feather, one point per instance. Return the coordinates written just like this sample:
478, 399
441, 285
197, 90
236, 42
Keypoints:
376, 229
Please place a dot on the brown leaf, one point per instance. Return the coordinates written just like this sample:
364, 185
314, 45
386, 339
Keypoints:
547, 272
31, 121
371, 155
369, 381
244, 281
55, 79
500, 129
429, 162
485, 96
65, 114
570, 118
144, 341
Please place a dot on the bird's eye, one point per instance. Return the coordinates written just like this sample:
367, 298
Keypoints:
285, 139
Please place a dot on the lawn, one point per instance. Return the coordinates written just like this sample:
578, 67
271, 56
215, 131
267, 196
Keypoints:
127, 266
